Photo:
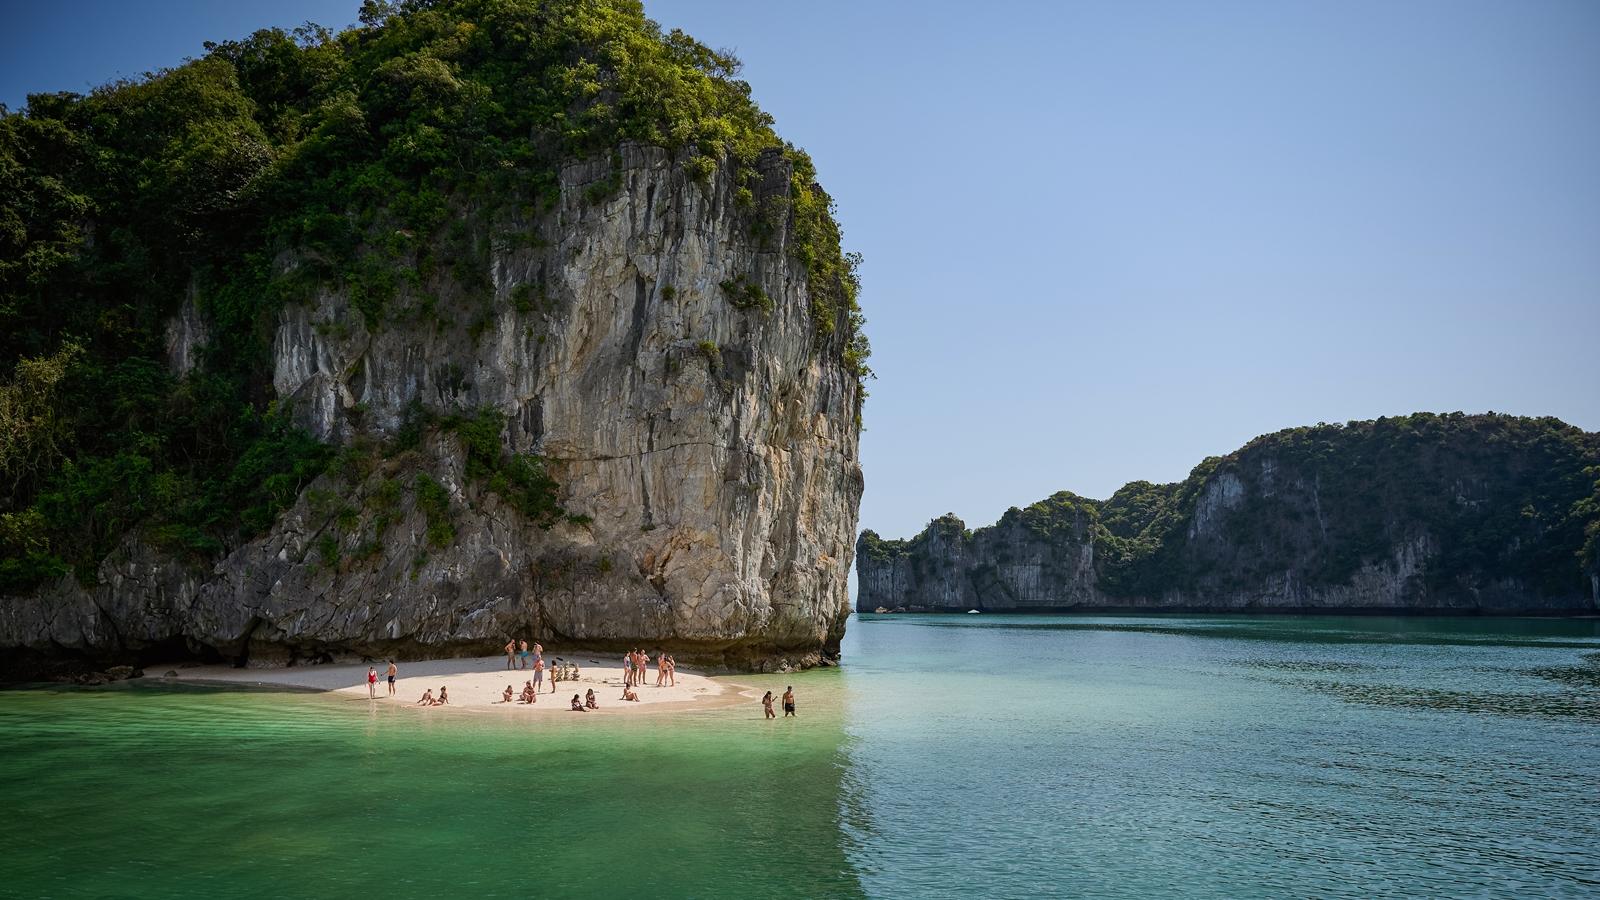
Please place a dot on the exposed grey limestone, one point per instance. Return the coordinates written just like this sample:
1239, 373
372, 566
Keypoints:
713, 450
1258, 537
187, 333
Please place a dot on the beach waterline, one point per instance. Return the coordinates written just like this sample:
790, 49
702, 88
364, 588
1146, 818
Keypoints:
1014, 756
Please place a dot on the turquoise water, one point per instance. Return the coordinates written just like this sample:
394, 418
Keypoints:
956, 755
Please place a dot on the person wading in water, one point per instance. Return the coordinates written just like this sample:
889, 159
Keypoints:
788, 702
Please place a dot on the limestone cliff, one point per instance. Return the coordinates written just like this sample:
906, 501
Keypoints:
706, 454
1441, 513
486, 318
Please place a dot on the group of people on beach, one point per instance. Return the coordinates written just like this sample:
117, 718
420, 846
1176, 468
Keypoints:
636, 665
372, 680
520, 656
428, 699
517, 654
529, 694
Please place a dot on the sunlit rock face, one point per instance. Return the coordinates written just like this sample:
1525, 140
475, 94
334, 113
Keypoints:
706, 454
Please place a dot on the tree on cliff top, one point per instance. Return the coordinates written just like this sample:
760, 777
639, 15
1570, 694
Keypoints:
351, 150
1498, 497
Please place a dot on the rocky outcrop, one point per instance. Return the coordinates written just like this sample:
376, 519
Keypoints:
705, 452
1421, 513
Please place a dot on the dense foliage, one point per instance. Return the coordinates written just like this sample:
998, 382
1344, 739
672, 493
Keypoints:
357, 155
1496, 497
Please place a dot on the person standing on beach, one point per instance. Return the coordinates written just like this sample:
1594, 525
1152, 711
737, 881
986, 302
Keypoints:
372, 683
522, 654
393, 671
788, 702
538, 673
511, 654
627, 669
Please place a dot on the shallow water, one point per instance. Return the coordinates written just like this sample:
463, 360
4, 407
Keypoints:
1002, 756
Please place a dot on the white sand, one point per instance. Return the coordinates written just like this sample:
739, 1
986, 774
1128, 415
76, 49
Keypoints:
478, 683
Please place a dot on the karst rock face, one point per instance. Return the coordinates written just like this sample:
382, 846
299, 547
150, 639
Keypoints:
704, 452
1423, 513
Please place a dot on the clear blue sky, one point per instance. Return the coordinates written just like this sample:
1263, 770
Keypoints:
1106, 240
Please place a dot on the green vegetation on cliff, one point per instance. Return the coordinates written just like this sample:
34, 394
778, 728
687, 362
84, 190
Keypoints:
1495, 499
289, 161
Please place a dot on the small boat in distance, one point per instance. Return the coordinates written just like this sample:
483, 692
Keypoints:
972, 612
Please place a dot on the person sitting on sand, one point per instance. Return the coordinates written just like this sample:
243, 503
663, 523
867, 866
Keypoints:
444, 696
577, 703
590, 701
506, 697
766, 704
427, 698
628, 694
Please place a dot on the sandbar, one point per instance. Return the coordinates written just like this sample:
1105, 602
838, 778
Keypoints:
478, 683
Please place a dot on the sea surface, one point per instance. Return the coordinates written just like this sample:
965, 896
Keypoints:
971, 756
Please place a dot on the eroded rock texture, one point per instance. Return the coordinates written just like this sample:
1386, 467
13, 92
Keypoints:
1419, 513
705, 452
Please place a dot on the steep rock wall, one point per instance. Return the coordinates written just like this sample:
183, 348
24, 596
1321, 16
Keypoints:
1462, 514
707, 453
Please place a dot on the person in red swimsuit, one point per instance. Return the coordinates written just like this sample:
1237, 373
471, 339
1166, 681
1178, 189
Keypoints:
372, 683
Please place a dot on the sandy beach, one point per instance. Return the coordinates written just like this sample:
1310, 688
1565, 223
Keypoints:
478, 683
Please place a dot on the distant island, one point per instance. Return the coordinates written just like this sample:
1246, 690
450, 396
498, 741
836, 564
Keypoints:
1440, 513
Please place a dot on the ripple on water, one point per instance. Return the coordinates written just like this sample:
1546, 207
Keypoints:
1246, 758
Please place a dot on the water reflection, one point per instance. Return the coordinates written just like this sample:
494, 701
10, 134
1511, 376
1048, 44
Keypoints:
185, 791
1218, 757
